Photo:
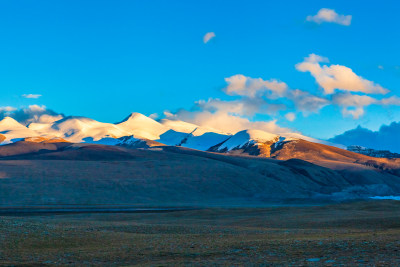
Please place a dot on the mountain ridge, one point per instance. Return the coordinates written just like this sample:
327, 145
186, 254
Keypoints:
183, 164
138, 130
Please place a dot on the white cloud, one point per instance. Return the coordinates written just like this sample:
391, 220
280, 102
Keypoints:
37, 108
355, 112
226, 122
353, 105
291, 116
33, 96
347, 99
306, 102
33, 113
256, 96
153, 116
208, 36
330, 15
244, 106
252, 97
169, 114
337, 77
390, 101
252, 87
7, 109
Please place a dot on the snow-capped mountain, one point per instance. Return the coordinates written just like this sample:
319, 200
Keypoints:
253, 142
140, 131
191, 135
79, 130
141, 126
14, 131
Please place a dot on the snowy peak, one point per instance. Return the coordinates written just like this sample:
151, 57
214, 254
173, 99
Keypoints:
134, 116
71, 123
247, 138
81, 129
142, 126
12, 130
8, 123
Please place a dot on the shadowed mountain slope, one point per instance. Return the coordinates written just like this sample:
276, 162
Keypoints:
65, 173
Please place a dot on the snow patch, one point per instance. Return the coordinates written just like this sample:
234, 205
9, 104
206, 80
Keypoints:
247, 137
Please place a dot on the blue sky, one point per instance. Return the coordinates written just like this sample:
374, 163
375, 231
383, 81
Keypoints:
105, 59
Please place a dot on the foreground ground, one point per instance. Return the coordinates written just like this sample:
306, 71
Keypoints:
362, 233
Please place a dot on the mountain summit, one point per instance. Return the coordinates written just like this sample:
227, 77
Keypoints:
141, 126
13, 131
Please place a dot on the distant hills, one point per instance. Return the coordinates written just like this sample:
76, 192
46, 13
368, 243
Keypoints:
78, 160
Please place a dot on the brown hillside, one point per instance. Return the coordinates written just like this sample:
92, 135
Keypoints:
319, 153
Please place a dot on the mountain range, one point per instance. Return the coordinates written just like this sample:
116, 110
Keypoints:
140, 160
138, 129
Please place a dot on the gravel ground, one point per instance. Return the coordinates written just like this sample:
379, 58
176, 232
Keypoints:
352, 234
